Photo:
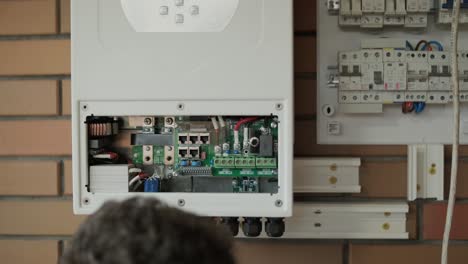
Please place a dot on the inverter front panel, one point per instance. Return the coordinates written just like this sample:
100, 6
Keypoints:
188, 101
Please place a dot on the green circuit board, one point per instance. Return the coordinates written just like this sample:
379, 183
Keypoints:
197, 149
225, 164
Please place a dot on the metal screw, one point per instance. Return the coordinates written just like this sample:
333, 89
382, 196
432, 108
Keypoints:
386, 226
148, 148
278, 203
279, 106
181, 202
169, 148
148, 121
169, 121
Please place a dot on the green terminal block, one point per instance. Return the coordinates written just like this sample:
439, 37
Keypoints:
266, 163
137, 154
224, 162
158, 155
245, 162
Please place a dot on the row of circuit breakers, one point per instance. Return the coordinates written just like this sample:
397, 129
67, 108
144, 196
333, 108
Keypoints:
390, 76
406, 13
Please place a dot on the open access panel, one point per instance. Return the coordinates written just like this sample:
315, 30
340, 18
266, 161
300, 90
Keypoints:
187, 101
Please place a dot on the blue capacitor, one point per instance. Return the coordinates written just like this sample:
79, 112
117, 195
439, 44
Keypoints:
152, 185
196, 163
184, 163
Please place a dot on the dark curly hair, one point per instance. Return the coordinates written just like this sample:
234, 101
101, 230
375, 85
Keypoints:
145, 231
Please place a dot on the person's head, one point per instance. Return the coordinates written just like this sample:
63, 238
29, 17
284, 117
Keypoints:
145, 231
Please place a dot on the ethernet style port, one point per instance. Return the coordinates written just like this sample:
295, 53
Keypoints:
194, 138
183, 138
205, 138
183, 152
194, 152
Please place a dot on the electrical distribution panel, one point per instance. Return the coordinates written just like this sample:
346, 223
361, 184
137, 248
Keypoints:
188, 101
385, 78
394, 13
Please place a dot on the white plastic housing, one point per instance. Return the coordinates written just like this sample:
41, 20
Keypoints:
245, 69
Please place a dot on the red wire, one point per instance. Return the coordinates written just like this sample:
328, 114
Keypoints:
113, 155
243, 121
407, 107
143, 175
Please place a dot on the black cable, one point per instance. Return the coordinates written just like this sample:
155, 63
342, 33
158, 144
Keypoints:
420, 43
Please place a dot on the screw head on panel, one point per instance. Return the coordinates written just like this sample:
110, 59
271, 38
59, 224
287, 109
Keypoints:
278, 203
181, 202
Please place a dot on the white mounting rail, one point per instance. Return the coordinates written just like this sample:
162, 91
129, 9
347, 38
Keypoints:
347, 220
326, 175
426, 171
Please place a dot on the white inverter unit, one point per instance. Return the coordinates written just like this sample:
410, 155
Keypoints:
188, 101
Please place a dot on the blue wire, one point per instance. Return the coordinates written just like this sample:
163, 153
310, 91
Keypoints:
419, 107
408, 44
439, 46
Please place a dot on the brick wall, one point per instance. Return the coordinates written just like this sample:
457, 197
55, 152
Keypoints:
35, 190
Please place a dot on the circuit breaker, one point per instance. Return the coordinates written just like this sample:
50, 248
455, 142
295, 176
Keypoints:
381, 13
188, 101
444, 11
384, 72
